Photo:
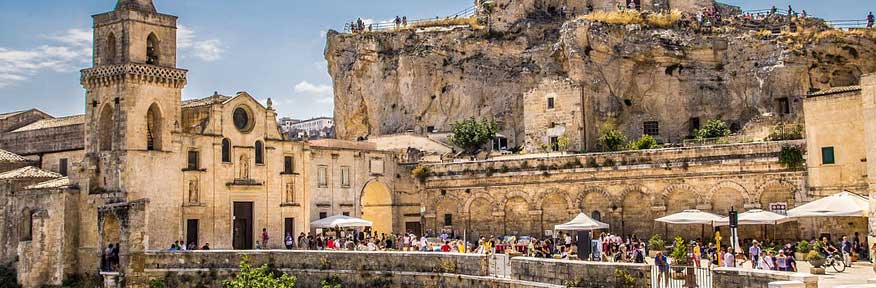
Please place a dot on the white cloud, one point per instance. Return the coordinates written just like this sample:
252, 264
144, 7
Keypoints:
207, 50
69, 51
321, 93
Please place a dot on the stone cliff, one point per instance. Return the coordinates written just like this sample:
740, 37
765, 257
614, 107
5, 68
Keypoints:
392, 82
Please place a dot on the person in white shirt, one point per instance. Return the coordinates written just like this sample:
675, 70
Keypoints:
729, 258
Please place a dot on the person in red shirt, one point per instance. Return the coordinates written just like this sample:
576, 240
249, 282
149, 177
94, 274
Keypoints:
445, 247
331, 243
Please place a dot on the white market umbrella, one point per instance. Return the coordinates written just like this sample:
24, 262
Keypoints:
340, 221
756, 217
582, 222
691, 216
844, 204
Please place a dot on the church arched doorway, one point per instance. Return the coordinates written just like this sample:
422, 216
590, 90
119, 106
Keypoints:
376, 201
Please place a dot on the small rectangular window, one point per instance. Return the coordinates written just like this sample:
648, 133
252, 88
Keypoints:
288, 167
62, 166
448, 219
322, 176
346, 213
784, 105
345, 176
827, 156
323, 215
550, 103
430, 129
651, 128
193, 160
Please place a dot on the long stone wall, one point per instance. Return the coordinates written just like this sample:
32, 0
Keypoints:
360, 269
581, 273
527, 195
735, 277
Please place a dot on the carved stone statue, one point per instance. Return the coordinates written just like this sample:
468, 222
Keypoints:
244, 167
290, 192
194, 192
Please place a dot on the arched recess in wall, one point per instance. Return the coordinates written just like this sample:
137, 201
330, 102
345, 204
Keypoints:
517, 220
636, 215
678, 199
109, 53
154, 123
480, 217
153, 48
597, 201
554, 210
105, 128
376, 201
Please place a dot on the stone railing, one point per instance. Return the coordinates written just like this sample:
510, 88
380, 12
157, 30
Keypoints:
735, 277
573, 273
641, 159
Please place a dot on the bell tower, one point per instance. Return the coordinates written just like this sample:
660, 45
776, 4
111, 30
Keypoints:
133, 93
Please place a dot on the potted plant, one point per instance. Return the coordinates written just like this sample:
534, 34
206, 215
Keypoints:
817, 261
802, 248
679, 258
655, 245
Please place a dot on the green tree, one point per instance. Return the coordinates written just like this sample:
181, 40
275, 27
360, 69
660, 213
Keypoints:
261, 277
644, 143
679, 252
715, 128
471, 135
563, 143
610, 138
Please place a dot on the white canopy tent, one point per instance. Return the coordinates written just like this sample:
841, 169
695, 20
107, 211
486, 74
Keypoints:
756, 217
844, 204
340, 221
582, 222
691, 216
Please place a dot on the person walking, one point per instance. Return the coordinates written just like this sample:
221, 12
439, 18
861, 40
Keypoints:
290, 242
846, 248
754, 253
662, 267
397, 22
265, 238
729, 258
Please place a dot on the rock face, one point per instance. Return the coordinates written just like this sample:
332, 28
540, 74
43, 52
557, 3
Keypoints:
393, 82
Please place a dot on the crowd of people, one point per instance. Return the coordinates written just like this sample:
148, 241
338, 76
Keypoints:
110, 258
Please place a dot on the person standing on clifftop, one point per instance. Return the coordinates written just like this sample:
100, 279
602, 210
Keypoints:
870, 20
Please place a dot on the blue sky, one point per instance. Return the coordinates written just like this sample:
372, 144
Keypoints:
269, 48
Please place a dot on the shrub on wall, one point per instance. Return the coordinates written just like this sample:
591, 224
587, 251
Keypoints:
715, 128
421, 172
792, 157
250, 276
783, 132
643, 143
610, 138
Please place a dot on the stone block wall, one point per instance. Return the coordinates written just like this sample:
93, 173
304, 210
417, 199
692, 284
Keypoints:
593, 274
734, 277
56, 139
309, 266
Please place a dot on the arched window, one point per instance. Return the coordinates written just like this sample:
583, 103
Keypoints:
226, 150
105, 129
152, 49
109, 55
153, 128
259, 152
596, 216
25, 231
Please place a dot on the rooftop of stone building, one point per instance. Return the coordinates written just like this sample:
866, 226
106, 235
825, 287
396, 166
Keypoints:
342, 144
216, 98
7, 157
53, 122
836, 90
62, 182
29, 172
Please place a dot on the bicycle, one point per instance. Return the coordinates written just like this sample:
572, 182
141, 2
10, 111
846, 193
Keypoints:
835, 260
